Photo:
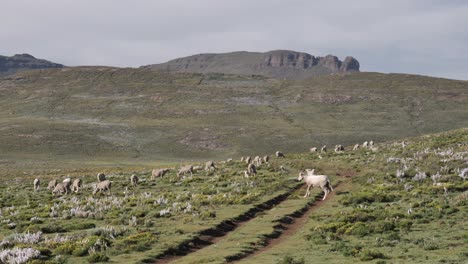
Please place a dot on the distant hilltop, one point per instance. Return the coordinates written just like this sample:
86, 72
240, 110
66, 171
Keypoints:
277, 63
21, 62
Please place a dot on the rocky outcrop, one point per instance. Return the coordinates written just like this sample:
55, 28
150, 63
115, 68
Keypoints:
277, 63
21, 62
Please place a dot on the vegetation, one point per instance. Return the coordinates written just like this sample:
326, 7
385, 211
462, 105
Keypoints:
375, 214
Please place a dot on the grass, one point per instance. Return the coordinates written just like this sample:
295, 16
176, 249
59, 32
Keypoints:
368, 220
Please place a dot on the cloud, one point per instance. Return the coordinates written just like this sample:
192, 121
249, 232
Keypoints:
423, 37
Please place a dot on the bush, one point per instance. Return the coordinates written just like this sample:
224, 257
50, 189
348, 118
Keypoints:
288, 259
97, 257
370, 254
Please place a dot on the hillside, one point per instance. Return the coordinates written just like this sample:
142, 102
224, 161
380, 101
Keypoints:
277, 63
22, 62
96, 115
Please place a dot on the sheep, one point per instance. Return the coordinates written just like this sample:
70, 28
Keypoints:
464, 173
158, 173
246, 174
339, 148
371, 143
197, 168
209, 165
313, 180
324, 148
242, 159
257, 161
356, 147
103, 186
248, 159
76, 185
365, 144
67, 180
134, 180
51, 185
251, 169
62, 187
314, 149
266, 159
36, 184
279, 154
185, 169
101, 177
229, 160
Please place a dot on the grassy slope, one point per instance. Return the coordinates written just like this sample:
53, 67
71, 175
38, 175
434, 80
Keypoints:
100, 115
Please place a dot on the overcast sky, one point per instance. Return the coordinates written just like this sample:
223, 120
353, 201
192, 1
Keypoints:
422, 37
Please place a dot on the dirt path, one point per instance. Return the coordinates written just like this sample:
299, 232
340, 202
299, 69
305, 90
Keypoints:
298, 221
212, 235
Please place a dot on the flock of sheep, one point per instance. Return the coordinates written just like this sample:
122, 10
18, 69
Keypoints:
104, 186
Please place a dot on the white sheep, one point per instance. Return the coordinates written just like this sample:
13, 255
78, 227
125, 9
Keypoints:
103, 186
266, 159
209, 165
62, 187
313, 180
246, 174
356, 147
248, 159
36, 184
185, 169
339, 148
134, 180
279, 154
242, 159
257, 161
76, 185
101, 177
158, 173
365, 144
52, 184
324, 148
314, 149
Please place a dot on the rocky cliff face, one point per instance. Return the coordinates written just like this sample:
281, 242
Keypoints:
20, 62
278, 63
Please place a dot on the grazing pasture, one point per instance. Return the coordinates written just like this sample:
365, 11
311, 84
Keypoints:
391, 203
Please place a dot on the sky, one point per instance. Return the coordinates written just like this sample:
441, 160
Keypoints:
425, 37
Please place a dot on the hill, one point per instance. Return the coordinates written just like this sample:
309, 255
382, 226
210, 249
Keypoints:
22, 62
96, 115
277, 63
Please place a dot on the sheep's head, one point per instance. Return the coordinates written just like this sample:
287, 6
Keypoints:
301, 176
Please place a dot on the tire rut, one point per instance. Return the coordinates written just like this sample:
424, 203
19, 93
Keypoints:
212, 235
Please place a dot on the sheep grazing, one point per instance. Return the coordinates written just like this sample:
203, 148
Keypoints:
266, 159
158, 173
257, 161
67, 180
251, 169
52, 185
324, 148
248, 159
102, 187
339, 148
134, 180
365, 144
228, 160
464, 173
314, 149
62, 188
76, 185
279, 154
356, 147
246, 174
36, 184
313, 180
209, 165
371, 143
101, 177
185, 170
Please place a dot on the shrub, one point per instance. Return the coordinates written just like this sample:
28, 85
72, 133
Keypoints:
288, 259
97, 257
370, 254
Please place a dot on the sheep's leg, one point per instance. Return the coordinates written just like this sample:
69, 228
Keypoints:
325, 195
307, 194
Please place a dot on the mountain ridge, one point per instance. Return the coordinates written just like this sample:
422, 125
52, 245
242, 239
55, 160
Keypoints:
21, 62
285, 64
